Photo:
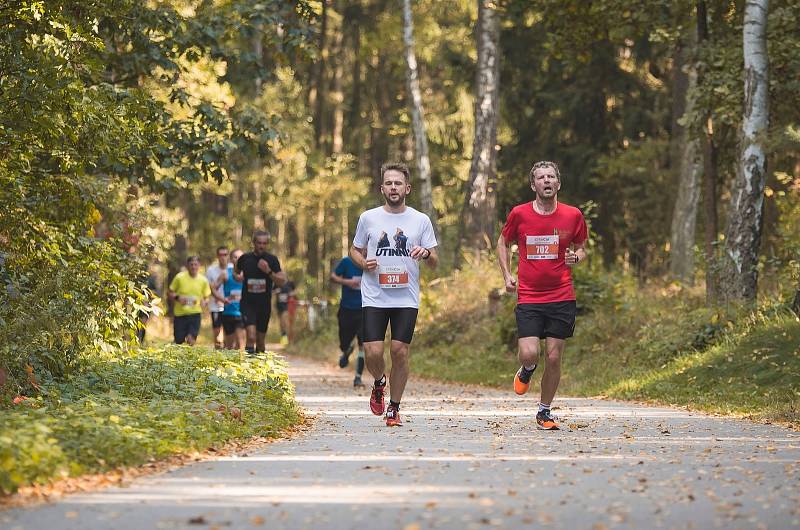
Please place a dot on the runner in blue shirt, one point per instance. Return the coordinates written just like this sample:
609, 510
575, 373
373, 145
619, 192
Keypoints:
348, 276
232, 323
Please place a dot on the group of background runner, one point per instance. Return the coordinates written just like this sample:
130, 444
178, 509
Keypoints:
238, 294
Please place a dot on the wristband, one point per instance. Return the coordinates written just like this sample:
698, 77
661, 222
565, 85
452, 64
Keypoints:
428, 255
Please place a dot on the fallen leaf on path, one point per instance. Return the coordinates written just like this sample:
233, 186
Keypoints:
256, 520
71, 515
198, 520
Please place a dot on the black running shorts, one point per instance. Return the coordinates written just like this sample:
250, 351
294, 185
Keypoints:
554, 319
216, 319
230, 323
375, 319
256, 314
184, 326
350, 327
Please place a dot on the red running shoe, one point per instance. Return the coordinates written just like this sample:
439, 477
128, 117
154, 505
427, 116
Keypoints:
393, 417
376, 404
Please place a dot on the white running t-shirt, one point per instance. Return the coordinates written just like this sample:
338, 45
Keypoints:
212, 273
389, 237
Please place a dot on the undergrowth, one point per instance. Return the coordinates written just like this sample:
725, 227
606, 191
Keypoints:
139, 405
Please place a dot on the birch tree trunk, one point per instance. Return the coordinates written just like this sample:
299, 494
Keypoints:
479, 217
743, 233
418, 117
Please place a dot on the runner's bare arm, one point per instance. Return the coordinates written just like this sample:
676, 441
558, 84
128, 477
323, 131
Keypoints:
222, 278
359, 257
341, 280
279, 278
503, 258
576, 254
428, 254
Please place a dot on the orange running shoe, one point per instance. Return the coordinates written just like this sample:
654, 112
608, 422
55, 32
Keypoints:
393, 417
522, 380
546, 421
376, 404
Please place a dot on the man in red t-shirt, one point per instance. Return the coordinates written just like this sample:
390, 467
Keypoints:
551, 238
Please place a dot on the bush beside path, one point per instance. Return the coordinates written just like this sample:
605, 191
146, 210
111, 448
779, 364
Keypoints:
467, 457
127, 408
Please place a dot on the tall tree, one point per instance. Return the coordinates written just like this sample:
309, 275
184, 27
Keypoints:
418, 117
743, 233
479, 214
711, 222
686, 162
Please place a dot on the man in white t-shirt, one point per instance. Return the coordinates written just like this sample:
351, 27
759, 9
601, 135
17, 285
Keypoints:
216, 304
389, 243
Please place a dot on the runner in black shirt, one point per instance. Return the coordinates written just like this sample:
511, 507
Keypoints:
260, 271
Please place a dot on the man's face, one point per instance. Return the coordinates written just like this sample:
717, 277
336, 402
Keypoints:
260, 244
545, 183
193, 267
236, 255
394, 187
222, 257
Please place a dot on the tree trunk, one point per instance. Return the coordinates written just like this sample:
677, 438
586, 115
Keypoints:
320, 244
710, 173
378, 141
418, 117
337, 96
345, 230
690, 168
354, 121
743, 234
316, 94
796, 303
480, 217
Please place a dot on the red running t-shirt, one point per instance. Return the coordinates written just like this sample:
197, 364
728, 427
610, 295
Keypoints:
543, 240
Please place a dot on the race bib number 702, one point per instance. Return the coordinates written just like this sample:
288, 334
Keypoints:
542, 247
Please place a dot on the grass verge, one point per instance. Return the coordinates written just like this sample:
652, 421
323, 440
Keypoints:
129, 407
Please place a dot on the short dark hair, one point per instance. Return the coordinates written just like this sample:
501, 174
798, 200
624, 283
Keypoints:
223, 247
260, 233
192, 258
542, 164
396, 166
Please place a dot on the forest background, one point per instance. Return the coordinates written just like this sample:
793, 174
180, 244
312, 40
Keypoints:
134, 134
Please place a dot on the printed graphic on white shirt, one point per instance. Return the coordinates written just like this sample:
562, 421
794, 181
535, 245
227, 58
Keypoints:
389, 238
542, 247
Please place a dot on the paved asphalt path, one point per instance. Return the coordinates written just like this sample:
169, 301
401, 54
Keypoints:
466, 458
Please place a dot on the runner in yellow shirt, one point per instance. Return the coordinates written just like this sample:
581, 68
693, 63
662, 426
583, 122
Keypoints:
190, 291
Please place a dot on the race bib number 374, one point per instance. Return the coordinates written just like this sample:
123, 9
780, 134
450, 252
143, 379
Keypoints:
393, 277
542, 247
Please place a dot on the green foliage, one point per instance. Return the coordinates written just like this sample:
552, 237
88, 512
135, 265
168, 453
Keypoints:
94, 99
126, 408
